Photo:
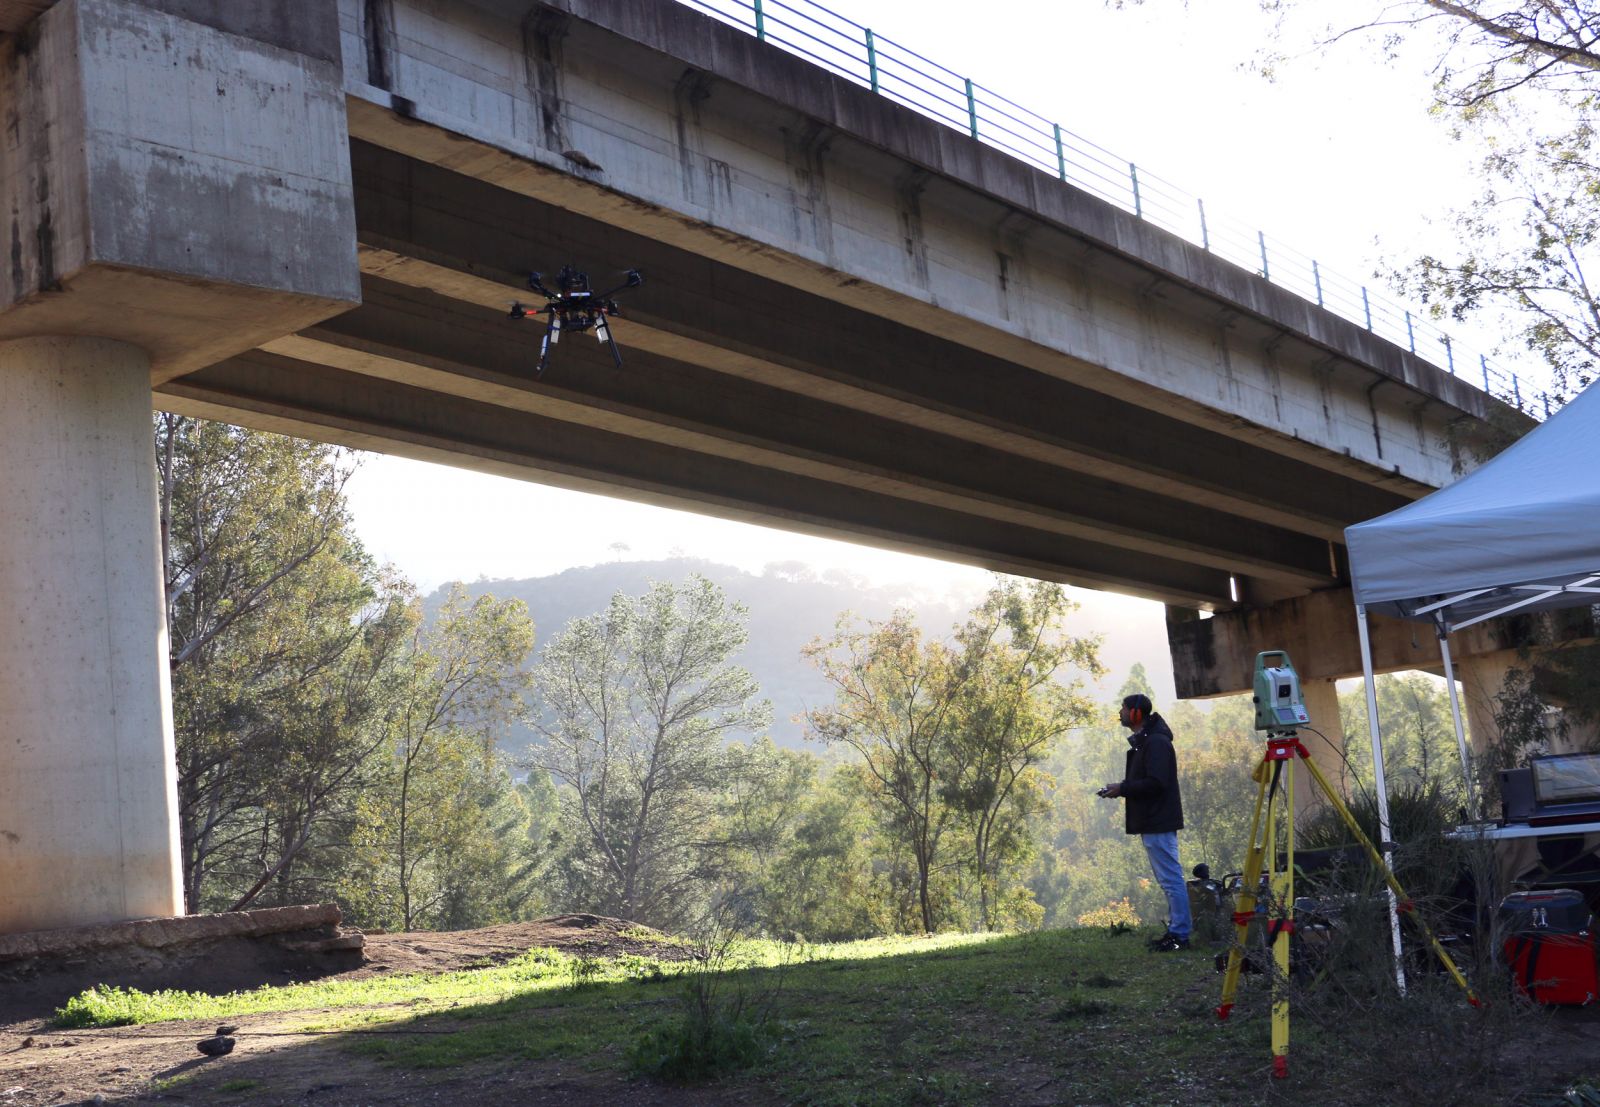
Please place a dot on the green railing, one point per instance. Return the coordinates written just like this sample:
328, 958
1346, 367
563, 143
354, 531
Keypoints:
862, 56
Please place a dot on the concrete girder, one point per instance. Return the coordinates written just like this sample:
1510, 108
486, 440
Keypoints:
482, 356
276, 393
436, 230
1280, 372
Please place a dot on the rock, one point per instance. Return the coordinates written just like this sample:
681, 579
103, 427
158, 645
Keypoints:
71, 943
215, 1047
339, 944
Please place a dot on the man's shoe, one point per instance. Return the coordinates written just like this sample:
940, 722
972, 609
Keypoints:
1168, 944
1160, 940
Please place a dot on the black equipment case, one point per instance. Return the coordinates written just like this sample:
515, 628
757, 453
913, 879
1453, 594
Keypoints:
1550, 946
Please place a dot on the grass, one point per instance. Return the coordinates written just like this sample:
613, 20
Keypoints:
1078, 1016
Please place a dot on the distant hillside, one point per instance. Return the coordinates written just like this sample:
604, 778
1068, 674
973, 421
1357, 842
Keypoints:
788, 607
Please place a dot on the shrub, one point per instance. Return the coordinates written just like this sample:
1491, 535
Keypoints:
1114, 914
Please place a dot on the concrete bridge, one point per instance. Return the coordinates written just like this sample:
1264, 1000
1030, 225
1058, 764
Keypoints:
310, 216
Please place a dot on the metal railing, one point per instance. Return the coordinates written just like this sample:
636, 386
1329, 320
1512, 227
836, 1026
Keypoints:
858, 54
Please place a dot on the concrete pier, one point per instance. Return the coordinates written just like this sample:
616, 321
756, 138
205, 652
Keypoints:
177, 180
88, 799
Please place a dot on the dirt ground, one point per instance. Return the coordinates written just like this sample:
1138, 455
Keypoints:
39, 1065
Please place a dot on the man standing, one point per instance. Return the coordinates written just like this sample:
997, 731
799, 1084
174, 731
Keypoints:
1154, 810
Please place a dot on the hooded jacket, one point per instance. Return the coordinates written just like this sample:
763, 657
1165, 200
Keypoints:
1150, 782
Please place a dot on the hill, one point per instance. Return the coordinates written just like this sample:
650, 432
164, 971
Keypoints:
790, 605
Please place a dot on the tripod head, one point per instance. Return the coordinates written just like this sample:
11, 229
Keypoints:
1279, 709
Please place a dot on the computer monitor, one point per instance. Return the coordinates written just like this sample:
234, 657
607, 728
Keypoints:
1566, 778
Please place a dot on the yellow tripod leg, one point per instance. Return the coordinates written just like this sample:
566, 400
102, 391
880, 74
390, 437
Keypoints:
1283, 890
1388, 874
1244, 906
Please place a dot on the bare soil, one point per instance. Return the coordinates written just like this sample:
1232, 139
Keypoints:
274, 1060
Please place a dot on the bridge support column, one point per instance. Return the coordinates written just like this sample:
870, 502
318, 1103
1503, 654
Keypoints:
177, 180
88, 795
1322, 704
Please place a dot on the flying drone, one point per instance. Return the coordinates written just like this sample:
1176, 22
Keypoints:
574, 306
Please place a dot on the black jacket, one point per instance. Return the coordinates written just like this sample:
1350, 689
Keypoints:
1150, 782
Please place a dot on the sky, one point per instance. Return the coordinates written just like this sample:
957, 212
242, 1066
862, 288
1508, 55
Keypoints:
1337, 155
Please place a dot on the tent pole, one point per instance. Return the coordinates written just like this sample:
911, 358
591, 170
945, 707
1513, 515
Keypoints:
1384, 841
1455, 713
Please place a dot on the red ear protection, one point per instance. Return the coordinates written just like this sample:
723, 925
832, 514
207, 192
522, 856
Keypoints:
1136, 714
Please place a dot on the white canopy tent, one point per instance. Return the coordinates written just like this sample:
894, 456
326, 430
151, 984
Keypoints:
1520, 533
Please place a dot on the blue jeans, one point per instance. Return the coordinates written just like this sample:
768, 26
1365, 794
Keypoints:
1162, 849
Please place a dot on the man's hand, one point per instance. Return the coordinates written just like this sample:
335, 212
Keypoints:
1111, 791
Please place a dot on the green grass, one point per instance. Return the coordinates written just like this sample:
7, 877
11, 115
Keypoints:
1079, 1016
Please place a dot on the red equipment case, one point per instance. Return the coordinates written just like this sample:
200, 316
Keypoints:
1550, 946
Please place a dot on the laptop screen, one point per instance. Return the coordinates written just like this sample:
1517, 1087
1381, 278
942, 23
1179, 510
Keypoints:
1566, 778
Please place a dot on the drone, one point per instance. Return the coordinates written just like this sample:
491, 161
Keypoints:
574, 306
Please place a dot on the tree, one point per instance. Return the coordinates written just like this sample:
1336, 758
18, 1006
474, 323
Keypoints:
1520, 77
1011, 710
463, 681
282, 635
894, 701
633, 706
1418, 733
1137, 684
951, 733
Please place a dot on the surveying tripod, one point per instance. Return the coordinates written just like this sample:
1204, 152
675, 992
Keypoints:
1283, 746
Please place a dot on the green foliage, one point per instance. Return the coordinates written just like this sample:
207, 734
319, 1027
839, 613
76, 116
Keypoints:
1420, 813
950, 736
1419, 739
697, 1047
636, 702
441, 831
539, 970
284, 642
331, 743
1118, 917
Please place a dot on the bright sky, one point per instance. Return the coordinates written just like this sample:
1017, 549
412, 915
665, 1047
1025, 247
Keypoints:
1338, 157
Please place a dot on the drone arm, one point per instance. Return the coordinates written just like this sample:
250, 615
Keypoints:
536, 282
635, 279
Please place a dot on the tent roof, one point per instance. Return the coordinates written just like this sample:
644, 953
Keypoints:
1521, 532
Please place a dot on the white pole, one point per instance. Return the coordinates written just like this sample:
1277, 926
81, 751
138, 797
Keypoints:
1384, 844
1461, 734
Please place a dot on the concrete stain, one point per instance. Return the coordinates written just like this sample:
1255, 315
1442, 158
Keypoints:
18, 275
377, 27
543, 31
908, 196
45, 234
692, 90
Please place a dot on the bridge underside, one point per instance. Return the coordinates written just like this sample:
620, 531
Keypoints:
748, 399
